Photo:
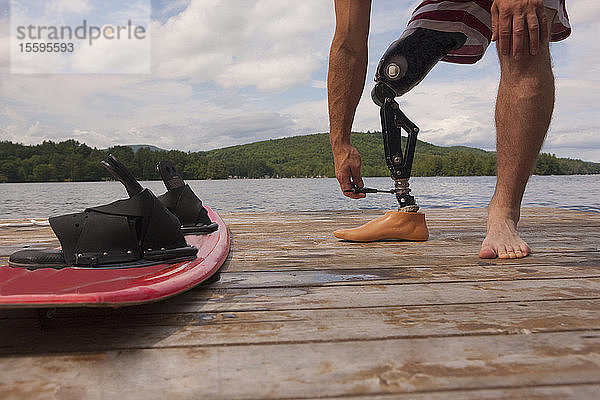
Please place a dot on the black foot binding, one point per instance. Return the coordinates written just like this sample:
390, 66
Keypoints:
409, 59
181, 200
135, 232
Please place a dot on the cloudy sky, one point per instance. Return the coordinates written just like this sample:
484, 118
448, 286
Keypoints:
226, 72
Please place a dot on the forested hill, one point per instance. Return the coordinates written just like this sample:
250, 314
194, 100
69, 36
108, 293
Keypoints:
299, 156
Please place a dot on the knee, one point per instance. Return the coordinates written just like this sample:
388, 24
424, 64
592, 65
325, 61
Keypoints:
527, 65
531, 71
529, 86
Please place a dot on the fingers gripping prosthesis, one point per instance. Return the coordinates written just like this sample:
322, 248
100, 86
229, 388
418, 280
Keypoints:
405, 63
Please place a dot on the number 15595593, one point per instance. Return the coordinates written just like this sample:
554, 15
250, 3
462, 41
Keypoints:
46, 47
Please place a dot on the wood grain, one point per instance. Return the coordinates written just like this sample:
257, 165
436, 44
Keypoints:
315, 369
296, 313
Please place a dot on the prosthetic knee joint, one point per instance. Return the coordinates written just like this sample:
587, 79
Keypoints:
405, 63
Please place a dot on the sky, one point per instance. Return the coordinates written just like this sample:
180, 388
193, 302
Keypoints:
225, 72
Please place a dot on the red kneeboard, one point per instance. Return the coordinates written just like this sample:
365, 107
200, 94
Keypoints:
73, 287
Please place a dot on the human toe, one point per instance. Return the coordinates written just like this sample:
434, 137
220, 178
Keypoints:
502, 252
487, 252
518, 253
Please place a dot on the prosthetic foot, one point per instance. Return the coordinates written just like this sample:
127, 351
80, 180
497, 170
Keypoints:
394, 225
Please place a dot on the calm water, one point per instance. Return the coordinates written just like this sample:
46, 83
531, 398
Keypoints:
40, 200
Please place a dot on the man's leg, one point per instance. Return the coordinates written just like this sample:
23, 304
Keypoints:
523, 112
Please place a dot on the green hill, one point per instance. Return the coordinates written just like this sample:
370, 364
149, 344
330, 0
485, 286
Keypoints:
310, 155
298, 156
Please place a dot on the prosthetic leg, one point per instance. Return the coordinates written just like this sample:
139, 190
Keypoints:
406, 223
405, 63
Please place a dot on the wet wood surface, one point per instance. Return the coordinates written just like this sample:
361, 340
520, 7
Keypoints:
296, 313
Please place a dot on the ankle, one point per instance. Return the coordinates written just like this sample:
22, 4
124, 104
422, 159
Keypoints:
497, 212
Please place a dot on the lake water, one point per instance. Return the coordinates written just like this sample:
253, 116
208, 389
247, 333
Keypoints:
40, 200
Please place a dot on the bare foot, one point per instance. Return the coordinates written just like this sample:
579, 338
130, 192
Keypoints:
502, 239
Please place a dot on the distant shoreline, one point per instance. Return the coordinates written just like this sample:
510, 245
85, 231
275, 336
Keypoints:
305, 156
271, 177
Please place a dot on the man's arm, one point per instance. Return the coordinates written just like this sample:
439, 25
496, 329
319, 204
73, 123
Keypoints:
345, 83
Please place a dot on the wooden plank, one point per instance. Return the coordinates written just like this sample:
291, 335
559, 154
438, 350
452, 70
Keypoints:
311, 370
559, 392
104, 330
208, 299
401, 275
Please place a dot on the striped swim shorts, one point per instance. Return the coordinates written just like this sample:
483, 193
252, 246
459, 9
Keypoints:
473, 18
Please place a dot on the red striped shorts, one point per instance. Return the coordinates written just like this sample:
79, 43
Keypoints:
473, 18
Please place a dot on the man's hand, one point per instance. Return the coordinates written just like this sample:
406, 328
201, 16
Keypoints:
517, 21
347, 169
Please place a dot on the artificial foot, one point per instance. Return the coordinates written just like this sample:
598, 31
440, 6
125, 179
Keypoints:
394, 225
502, 240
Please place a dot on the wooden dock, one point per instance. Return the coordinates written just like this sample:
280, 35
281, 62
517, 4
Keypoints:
297, 313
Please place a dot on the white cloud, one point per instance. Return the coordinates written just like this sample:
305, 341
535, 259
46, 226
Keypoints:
79, 7
583, 12
389, 17
269, 44
4, 45
172, 6
106, 110
114, 56
308, 117
275, 74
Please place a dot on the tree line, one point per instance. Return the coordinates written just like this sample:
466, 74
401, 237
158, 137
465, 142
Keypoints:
299, 156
